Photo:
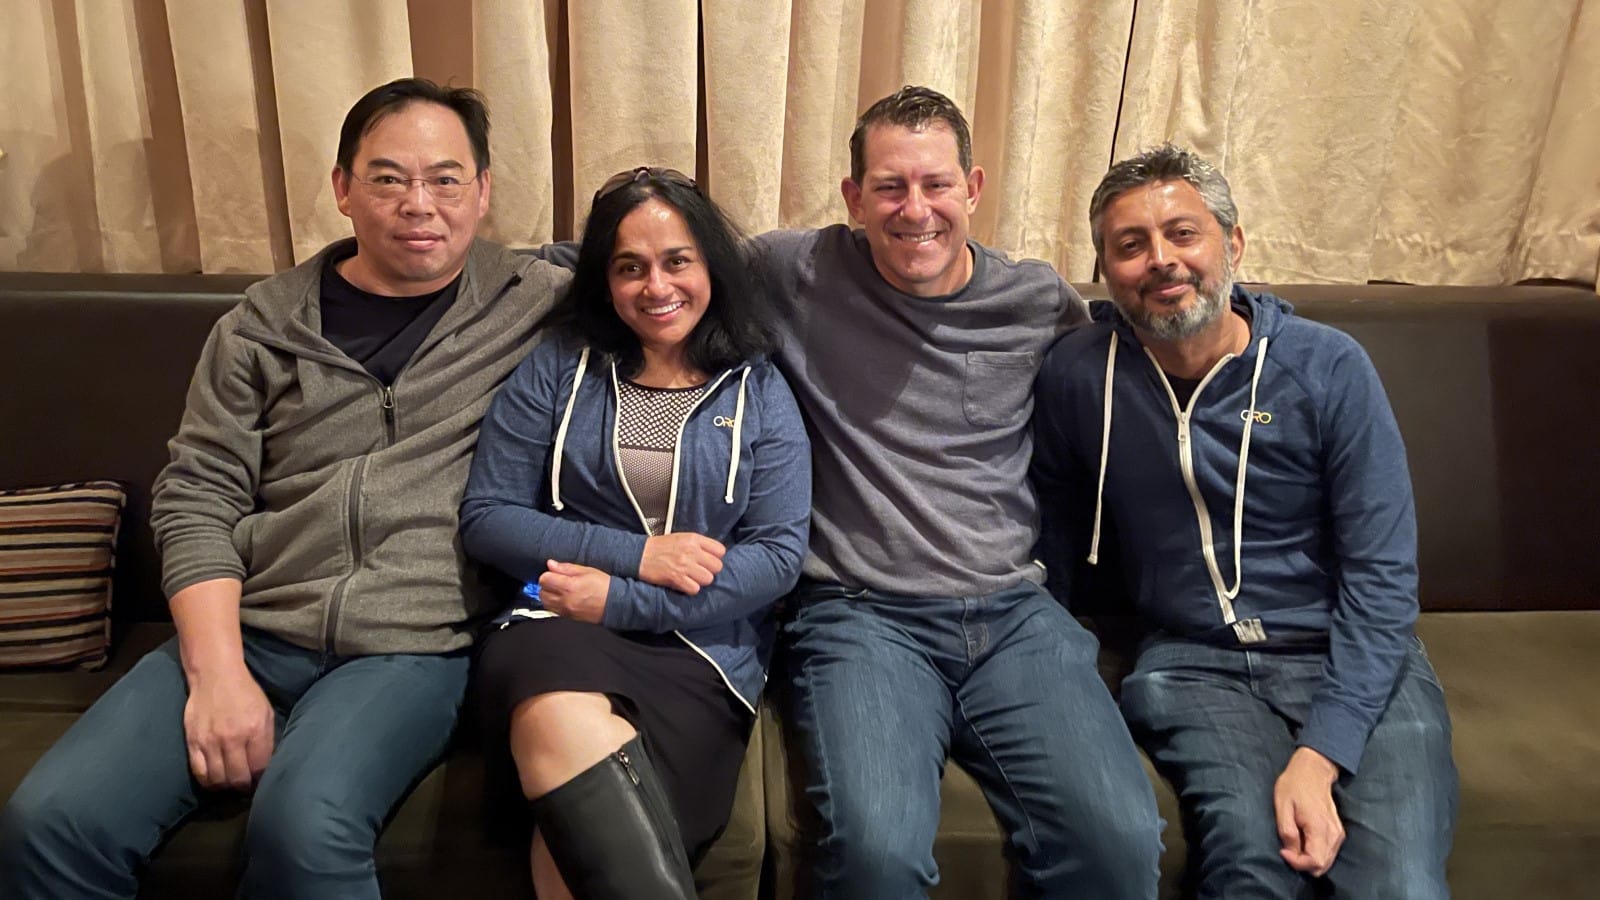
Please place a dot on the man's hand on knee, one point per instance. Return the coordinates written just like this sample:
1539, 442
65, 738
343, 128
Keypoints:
1308, 821
227, 727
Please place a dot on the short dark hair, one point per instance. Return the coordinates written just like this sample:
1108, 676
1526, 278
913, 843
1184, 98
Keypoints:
388, 99
916, 108
1164, 163
736, 325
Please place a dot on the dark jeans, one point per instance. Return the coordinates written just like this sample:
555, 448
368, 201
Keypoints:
1220, 724
882, 689
353, 734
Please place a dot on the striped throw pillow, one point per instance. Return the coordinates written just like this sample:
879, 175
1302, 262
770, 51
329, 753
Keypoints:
56, 554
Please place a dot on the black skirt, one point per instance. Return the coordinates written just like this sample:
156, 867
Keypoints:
694, 727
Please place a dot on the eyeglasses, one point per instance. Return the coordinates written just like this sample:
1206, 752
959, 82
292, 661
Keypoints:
640, 174
444, 188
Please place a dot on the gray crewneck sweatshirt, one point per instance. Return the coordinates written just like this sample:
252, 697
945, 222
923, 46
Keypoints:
918, 410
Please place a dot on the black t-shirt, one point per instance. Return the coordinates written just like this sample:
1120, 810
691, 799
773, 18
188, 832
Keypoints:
1184, 388
381, 333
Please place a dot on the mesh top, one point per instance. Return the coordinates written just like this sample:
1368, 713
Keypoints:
647, 431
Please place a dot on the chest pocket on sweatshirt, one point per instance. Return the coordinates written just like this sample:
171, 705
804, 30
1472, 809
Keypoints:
996, 387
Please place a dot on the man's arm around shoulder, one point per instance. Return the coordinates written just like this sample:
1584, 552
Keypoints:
1074, 310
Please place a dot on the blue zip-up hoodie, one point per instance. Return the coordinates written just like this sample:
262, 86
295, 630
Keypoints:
1275, 511
545, 484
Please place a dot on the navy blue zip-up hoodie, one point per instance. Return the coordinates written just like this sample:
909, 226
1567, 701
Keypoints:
545, 484
1275, 511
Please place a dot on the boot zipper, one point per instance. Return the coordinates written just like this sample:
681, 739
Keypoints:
627, 766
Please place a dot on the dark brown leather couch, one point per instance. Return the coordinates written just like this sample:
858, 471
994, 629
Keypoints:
1494, 389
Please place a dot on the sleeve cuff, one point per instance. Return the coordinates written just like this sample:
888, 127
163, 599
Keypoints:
617, 553
1336, 733
621, 612
189, 577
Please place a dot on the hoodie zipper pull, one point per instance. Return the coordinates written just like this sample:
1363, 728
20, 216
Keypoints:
388, 412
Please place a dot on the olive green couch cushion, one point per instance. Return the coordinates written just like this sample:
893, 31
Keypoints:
1521, 687
448, 839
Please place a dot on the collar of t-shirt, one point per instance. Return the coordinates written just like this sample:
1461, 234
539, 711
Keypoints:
1184, 388
381, 333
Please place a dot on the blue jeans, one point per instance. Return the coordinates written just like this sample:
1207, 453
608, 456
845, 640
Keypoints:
353, 735
882, 689
1220, 724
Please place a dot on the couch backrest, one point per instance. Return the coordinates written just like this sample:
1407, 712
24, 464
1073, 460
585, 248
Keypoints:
1495, 390
93, 372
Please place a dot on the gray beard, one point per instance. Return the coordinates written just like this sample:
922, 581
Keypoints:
1185, 323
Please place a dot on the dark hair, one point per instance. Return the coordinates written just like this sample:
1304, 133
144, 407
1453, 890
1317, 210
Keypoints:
1163, 163
736, 324
915, 108
386, 100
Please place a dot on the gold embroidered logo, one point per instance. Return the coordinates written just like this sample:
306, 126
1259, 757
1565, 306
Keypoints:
722, 422
1262, 416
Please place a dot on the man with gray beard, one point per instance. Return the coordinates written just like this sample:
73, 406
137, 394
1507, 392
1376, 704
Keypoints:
1254, 485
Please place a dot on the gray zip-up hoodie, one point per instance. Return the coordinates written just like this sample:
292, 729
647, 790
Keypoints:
333, 498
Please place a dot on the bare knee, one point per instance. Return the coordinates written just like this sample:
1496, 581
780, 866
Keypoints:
557, 735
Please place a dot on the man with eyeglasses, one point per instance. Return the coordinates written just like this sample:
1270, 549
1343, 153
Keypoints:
307, 524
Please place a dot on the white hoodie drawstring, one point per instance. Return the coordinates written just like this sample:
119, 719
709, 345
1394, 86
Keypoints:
738, 426
1239, 481
1105, 447
561, 432
566, 420
1238, 485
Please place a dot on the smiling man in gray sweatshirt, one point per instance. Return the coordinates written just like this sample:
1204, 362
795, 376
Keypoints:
920, 630
307, 524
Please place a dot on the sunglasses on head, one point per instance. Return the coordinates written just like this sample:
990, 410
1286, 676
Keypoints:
640, 173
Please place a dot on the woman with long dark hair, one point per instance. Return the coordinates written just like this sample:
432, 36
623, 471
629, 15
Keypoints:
646, 472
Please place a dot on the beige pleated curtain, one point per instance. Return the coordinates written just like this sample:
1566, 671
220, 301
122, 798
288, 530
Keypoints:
1426, 141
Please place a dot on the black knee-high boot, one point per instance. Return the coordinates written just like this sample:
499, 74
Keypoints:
612, 833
